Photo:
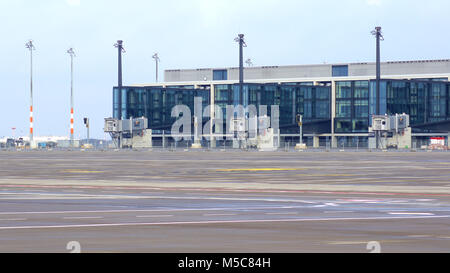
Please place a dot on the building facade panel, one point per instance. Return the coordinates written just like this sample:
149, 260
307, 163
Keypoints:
424, 67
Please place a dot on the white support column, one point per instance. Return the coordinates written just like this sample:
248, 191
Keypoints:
316, 142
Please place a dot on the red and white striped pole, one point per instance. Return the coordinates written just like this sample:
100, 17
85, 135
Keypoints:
31, 122
72, 54
30, 46
71, 126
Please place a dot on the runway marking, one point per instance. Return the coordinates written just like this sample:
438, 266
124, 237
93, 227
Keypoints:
219, 214
326, 205
411, 213
154, 210
80, 171
162, 215
342, 211
220, 189
280, 213
83, 217
96, 196
222, 222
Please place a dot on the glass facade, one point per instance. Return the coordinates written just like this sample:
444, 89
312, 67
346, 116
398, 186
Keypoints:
313, 102
156, 103
425, 101
352, 107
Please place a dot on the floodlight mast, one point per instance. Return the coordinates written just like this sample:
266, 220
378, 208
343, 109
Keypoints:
379, 36
120, 50
155, 56
31, 47
71, 52
240, 40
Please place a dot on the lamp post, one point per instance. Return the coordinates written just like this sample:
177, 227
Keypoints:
72, 54
379, 37
31, 47
120, 50
242, 44
155, 56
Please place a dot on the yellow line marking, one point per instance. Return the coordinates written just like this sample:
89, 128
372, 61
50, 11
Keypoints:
81, 171
260, 169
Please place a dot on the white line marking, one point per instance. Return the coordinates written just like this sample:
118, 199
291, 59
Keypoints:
326, 205
342, 211
118, 196
411, 213
154, 210
162, 215
281, 213
219, 214
84, 217
224, 222
14, 219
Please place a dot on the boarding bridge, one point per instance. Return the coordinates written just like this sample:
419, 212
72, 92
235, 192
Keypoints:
129, 133
254, 132
390, 131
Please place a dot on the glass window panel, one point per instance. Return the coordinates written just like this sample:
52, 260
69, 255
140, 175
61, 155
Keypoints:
339, 70
361, 89
343, 109
343, 90
220, 75
360, 125
322, 109
322, 93
343, 126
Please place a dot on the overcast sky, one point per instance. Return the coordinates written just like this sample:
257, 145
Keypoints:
187, 34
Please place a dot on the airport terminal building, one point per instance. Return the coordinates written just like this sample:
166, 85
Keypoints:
335, 100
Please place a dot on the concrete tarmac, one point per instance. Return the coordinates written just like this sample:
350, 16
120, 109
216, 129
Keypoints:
232, 201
